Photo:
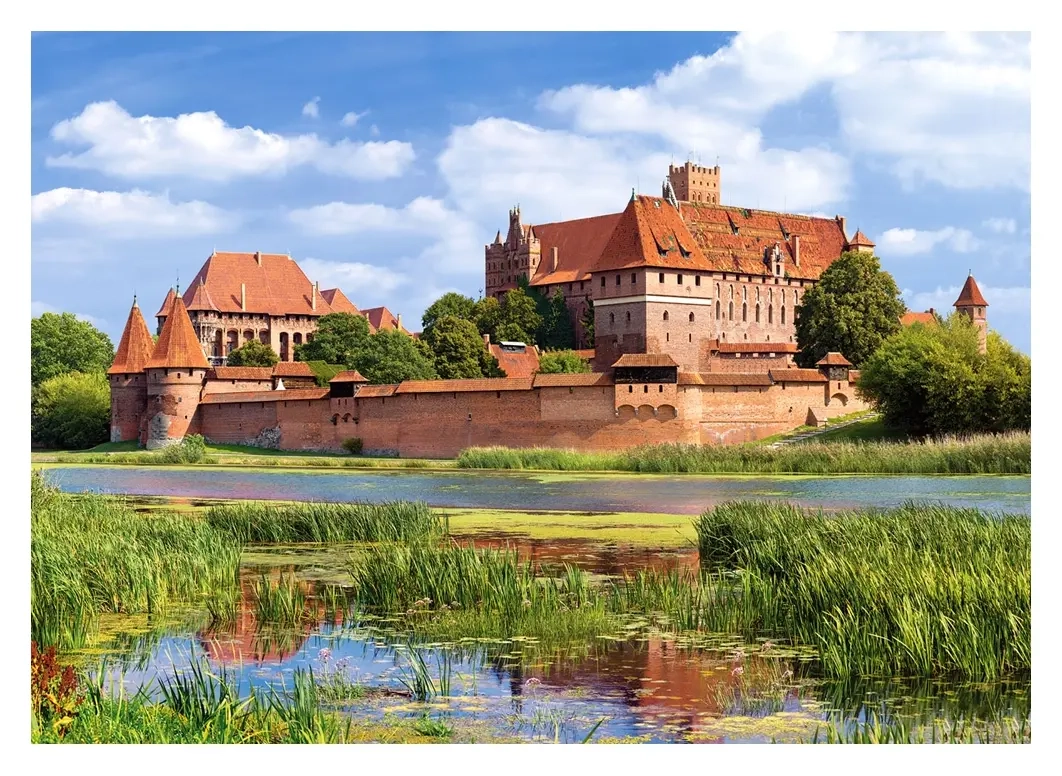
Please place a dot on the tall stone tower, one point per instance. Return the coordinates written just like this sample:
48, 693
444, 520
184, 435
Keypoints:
693, 183
164, 311
972, 304
175, 376
518, 256
127, 378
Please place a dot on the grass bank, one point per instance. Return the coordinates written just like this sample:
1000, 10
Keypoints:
93, 554
987, 454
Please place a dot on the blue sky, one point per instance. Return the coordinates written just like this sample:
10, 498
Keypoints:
384, 162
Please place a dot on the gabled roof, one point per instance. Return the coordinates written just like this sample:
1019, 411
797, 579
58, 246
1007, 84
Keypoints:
376, 391
911, 318
292, 369
579, 245
860, 239
480, 384
382, 318
135, 347
833, 358
275, 284
644, 359
240, 373
516, 364
167, 303
970, 295
178, 345
338, 301
798, 376
349, 376
201, 299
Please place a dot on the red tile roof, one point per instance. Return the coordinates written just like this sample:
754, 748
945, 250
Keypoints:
860, 239
723, 378
167, 303
833, 359
853, 375
292, 394
572, 380
523, 364
970, 295
645, 359
292, 369
482, 384
375, 391
756, 347
135, 347
275, 284
910, 318
349, 376
178, 345
201, 299
797, 376
382, 318
338, 301
579, 245
240, 373
586, 353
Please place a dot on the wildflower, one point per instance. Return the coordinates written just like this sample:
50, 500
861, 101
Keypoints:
532, 682
737, 671
324, 655
342, 663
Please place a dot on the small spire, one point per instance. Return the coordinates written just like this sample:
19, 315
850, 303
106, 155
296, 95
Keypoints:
632, 194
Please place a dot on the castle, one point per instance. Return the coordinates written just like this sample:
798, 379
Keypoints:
693, 308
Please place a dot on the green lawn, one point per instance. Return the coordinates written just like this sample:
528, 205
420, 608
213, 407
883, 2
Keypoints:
869, 430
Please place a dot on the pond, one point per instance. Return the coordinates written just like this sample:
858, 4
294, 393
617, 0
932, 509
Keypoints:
681, 494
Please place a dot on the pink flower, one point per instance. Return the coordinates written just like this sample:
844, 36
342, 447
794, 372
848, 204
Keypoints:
737, 671
324, 655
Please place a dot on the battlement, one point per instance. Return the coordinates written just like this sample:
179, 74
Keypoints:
696, 183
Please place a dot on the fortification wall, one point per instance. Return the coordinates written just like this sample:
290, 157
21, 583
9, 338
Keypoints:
128, 402
172, 403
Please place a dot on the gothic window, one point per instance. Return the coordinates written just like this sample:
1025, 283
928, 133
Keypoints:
783, 315
757, 312
770, 313
731, 311
717, 309
691, 317
665, 315
611, 318
744, 312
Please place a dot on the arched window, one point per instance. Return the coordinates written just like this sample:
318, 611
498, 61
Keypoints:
665, 315
628, 316
611, 318
783, 315
731, 311
717, 309
691, 317
744, 312
770, 313
757, 312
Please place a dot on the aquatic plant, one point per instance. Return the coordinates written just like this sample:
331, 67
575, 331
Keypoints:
1001, 730
326, 522
1009, 453
93, 554
279, 603
919, 590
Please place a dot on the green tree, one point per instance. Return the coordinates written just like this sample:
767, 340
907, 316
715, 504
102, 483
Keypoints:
588, 323
519, 317
389, 356
487, 315
61, 343
458, 349
338, 338
449, 304
853, 308
556, 331
932, 380
253, 353
72, 411
562, 362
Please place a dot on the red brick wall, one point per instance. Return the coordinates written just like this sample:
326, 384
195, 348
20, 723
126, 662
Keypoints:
237, 386
128, 402
172, 401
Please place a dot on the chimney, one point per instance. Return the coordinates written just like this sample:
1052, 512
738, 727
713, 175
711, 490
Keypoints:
258, 257
931, 311
796, 249
313, 297
486, 341
399, 325
840, 220
243, 297
554, 258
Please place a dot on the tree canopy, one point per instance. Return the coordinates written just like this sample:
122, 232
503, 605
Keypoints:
72, 411
389, 356
588, 322
338, 338
450, 304
852, 309
519, 318
556, 331
61, 343
252, 353
458, 350
931, 380
562, 362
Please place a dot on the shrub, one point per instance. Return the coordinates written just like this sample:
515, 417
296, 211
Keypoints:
72, 410
562, 362
253, 353
54, 693
353, 445
192, 449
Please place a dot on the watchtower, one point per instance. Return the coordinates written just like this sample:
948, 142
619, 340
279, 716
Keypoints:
972, 304
694, 183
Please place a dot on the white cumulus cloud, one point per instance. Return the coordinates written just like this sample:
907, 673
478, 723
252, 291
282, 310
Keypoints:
310, 109
358, 280
202, 145
350, 119
128, 213
909, 242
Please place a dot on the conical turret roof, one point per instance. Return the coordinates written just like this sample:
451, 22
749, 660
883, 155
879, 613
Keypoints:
178, 345
135, 347
860, 239
970, 295
201, 298
167, 303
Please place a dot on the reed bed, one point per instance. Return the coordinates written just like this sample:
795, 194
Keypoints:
920, 590
1006, 730
153, 458
280, 603
93, 554
397, 521
986, 454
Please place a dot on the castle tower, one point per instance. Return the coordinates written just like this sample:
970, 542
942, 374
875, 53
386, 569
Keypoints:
127, 378
860, 243
207, 321
175, 376
972, 304
164, 311
518, 256
693, 183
